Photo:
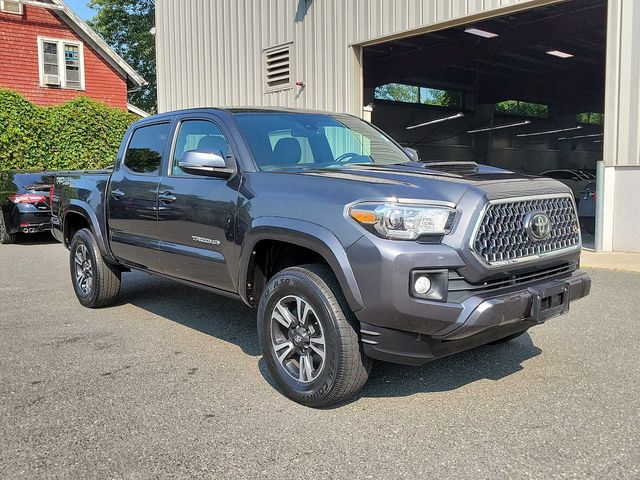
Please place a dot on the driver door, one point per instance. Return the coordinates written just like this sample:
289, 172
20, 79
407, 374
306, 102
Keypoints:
196, 214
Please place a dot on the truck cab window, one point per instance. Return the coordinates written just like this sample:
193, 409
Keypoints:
144, 153
198, 135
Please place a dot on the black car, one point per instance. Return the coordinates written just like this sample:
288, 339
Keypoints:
24, 203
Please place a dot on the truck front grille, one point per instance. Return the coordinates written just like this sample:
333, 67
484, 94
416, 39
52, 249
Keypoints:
502, 237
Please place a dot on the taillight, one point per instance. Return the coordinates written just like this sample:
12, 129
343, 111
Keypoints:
27, 198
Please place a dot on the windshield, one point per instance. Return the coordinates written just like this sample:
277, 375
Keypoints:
280, 140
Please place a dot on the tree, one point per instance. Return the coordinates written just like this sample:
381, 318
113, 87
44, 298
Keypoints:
442, 98
126, 26
525, 109
397, 93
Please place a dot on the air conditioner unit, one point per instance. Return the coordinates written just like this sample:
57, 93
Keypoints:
50, 79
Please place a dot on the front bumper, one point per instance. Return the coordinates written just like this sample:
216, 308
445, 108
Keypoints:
482, 318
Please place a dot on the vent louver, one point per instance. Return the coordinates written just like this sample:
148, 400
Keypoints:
278, 67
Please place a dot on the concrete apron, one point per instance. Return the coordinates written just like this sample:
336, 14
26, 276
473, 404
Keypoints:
629, 262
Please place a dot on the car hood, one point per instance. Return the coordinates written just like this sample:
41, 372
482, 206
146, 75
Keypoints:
440, 181
320, 195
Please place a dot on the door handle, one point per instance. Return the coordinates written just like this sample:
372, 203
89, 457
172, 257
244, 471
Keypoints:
167, 197
117, 194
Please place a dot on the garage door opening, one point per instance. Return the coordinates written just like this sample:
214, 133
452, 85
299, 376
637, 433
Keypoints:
523, 91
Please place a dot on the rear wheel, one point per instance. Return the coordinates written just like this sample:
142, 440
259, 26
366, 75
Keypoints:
96, 282
309, 337
5, 236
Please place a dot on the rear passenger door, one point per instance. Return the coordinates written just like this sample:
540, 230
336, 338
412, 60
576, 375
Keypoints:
196, 214
133, 197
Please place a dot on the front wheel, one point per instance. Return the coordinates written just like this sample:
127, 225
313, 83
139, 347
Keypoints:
96, 282
309, 338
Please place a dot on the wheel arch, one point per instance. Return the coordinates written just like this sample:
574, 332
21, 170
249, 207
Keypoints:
79, 214
305, 235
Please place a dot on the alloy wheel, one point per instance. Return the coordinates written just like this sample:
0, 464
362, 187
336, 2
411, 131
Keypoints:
84, 269
297, 338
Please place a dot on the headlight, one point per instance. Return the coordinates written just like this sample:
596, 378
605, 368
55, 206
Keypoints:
403, 222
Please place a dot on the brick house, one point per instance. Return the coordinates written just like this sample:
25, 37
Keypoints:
49, 55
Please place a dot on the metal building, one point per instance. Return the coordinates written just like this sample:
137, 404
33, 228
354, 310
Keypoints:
531, 85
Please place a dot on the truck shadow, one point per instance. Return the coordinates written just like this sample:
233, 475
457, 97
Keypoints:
489, 362
233, 322
221, 317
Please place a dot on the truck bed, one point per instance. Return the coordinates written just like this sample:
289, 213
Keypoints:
87, 187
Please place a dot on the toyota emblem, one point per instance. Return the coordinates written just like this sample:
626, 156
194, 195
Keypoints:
538, 226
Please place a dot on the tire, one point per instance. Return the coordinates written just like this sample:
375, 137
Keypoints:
5, 237
330, 329
96, 282
507, 339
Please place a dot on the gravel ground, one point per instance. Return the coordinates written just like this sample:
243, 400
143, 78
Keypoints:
170, 383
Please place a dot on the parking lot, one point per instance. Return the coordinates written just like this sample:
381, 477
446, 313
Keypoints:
170, 382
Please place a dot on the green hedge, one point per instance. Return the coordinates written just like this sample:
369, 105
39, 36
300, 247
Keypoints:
79, 134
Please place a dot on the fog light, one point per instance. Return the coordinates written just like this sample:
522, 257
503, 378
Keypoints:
422, 285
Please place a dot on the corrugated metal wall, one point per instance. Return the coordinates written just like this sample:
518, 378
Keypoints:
210, 52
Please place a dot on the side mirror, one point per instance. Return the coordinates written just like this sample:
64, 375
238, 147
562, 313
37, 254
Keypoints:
207, 163
413, 153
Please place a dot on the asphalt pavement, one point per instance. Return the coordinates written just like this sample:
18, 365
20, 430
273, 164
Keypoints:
170, 383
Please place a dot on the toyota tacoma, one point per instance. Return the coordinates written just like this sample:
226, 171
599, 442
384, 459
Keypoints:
348, 246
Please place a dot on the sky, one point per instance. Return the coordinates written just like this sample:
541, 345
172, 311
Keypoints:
80, 7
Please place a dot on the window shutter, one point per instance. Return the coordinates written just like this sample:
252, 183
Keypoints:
12, 6
278, 67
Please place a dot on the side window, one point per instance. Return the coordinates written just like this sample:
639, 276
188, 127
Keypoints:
144, 153
197, 135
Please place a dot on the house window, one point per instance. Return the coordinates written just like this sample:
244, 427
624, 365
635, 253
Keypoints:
277, 62
61, 63
11, 6
72, 65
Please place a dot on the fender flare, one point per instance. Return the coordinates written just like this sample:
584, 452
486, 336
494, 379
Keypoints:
308, 235
83, 208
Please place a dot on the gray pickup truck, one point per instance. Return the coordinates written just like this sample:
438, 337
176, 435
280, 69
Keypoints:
348, 246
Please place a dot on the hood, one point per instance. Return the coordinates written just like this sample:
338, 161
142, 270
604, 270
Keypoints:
320, 196
440, 181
